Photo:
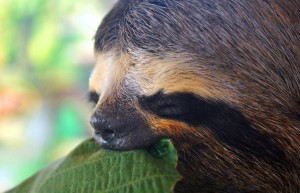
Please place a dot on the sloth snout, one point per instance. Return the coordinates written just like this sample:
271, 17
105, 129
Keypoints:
103, 125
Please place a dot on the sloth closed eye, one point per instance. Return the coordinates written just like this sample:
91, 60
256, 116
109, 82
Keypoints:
168, 106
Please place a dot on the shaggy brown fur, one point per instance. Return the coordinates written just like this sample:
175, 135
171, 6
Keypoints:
221, 78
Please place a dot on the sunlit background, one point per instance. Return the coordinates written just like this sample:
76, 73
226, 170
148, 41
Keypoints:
46, 56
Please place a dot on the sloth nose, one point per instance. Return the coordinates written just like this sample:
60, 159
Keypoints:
103, 126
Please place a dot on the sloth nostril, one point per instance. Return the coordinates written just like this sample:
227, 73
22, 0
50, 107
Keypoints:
97, 121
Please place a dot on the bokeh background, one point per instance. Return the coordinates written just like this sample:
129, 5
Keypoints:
46, 56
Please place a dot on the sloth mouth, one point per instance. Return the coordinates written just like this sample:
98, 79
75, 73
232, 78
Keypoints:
136, 139
106, 135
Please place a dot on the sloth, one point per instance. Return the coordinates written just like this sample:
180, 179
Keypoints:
221, 79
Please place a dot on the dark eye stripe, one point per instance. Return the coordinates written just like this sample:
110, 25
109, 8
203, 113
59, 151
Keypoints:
226, 122
167, 106
93, 97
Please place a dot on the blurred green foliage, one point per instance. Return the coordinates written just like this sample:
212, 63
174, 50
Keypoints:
46, 55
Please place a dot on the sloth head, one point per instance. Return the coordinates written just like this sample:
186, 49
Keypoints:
196, 71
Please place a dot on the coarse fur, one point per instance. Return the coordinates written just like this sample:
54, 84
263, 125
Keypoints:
220, 78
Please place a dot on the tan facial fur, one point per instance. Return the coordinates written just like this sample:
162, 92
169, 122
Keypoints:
108, 74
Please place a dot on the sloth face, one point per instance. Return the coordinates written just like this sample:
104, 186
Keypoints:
138, 103
139, 100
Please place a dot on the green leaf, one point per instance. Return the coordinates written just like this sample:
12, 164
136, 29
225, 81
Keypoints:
91, 169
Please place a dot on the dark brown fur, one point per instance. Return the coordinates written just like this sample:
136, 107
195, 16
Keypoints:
241, 60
